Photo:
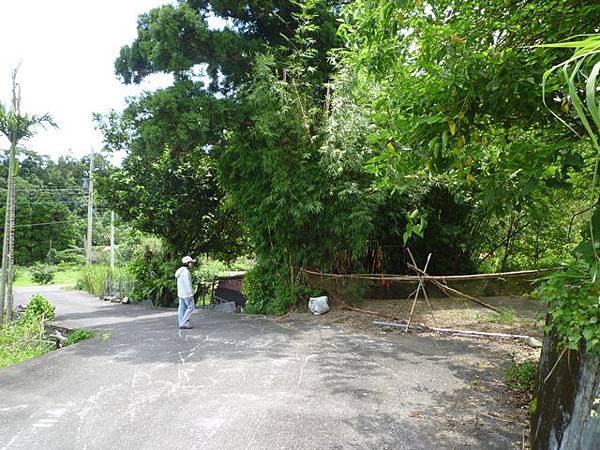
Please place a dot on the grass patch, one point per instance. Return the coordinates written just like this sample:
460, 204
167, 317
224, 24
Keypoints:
20, 343
62, 276
79, 335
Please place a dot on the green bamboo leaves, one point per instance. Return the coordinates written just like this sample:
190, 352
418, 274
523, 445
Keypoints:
584, 64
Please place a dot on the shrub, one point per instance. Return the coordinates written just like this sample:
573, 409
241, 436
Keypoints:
506, 316
20, 341
71, 256
52, 256
25, 338
153, 273
42, 273
268, 290
37, 309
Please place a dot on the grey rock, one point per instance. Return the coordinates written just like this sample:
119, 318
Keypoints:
533, 342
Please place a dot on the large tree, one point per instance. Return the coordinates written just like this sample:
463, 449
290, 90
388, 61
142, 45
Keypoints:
168, 184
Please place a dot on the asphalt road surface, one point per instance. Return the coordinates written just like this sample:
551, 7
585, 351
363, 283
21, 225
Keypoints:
245, 382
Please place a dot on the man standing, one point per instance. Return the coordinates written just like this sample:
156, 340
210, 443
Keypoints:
185, 293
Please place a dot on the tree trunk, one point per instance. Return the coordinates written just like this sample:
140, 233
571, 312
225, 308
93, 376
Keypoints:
562, 417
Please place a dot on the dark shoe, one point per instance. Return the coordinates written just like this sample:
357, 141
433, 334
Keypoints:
186, 327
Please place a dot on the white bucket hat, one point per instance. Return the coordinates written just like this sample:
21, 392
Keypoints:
187, 259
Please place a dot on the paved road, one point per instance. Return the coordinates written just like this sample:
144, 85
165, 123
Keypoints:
244, 382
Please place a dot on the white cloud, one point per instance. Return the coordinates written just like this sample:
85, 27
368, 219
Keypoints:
67, 49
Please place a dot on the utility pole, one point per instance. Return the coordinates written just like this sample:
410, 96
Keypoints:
9, 219
112, 241
11, 249
88, 252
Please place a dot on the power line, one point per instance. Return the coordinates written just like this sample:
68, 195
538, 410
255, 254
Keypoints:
48, 190
44, 223
54, 202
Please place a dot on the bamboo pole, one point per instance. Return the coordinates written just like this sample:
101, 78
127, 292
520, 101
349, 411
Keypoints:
451, 331
445, 288
415, 278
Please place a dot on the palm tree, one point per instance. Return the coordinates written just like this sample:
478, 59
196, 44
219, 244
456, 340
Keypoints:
16, 127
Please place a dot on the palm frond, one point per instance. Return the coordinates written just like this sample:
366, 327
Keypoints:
22, 126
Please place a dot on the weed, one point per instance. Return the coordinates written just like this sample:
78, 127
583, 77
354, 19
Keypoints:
521, 376
79, 335
506, 316
38, 310
42, 273
105, 336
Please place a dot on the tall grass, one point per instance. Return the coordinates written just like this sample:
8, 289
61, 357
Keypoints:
92, 278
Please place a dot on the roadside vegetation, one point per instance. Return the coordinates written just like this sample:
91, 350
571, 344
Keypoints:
26, 337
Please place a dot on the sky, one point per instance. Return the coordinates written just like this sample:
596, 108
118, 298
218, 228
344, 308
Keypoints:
67, 50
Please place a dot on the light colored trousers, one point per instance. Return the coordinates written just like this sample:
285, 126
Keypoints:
185, 310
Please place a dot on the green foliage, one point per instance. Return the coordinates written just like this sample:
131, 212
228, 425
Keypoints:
91, 279
20, 341
70, 256
167, 185
50, 196
414, 227
452, 90
153, 272
25, 338
426, 131
37, 310
42, 273
572, 296
79, 335
521, 376
267, 291
207, 269
175, 38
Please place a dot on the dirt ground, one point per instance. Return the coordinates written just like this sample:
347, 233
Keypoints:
520, 315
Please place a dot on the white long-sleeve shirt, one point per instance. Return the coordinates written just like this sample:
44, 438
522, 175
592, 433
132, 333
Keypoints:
184, 283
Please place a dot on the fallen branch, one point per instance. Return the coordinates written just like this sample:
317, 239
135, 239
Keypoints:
450, 331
